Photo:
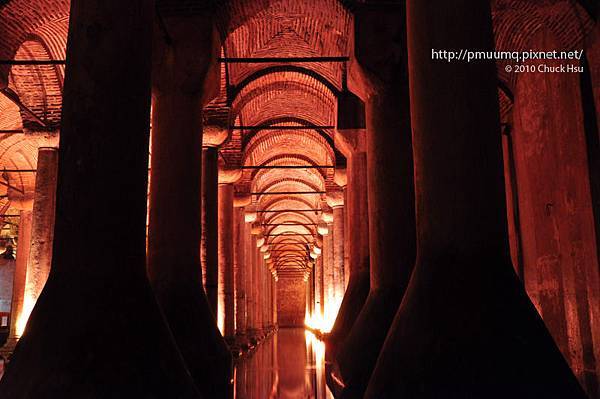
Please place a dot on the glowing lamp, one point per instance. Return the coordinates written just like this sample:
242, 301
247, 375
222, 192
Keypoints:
250, 215
323, 229
327, 216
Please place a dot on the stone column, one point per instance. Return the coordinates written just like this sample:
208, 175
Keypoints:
336, 202
466, 327
259, 291
392, 236
253, 322
174, 230
97, 305
17, 319
319, 285
226, 272
552, 170
352, 143
328, 273
275, 319
42, 227
210, 226
239, 262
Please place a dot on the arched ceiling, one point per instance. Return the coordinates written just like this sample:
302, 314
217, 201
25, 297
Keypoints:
277, 96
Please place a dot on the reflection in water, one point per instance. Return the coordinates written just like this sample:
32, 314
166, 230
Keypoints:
290, 365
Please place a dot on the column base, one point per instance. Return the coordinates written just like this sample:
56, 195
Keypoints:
466, 329
358, 354
96, 339
354, 299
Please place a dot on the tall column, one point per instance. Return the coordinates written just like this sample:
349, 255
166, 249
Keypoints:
42, 227
328, 273
392, 237
319, 286
466, 327
97, 291
17, 319
226, 272
210, 225
275, 320
250, 302
352, 143
239, 262
338, 251
259, 291
174, 230
560, 271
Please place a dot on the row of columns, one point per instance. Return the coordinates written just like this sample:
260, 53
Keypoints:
452, 308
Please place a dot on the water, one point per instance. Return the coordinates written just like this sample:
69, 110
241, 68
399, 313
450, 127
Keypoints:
289, 365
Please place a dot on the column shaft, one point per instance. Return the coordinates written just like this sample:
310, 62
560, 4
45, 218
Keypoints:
42, 227
357, 241
239, 259
250, 280
210, 225
175, 229
17, 319
226, 269
338, 252
392, 236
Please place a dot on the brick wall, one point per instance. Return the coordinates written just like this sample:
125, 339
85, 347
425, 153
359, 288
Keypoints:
291, 302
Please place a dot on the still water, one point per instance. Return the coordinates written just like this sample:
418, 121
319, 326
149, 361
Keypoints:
290, 365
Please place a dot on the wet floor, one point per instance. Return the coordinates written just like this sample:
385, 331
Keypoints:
290, 365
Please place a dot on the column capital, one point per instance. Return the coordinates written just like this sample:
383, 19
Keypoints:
340, 177
214, 135
350, 141
376, 50
335, 199
242, 201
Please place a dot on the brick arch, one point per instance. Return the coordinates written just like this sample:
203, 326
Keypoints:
266, 145
39, 87
21, 18
302, 27
265, 177
516, 22
282, 94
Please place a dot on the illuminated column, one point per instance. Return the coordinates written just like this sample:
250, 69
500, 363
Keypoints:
275, 319
210, 226
352, 143
336, 201
466, 327
42, 227
250, 241
97, 305
329, 270
267, 296
226, 273
226, 223
240, 266
259, 291
174, 231
390, 184
17, 318
249, 280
